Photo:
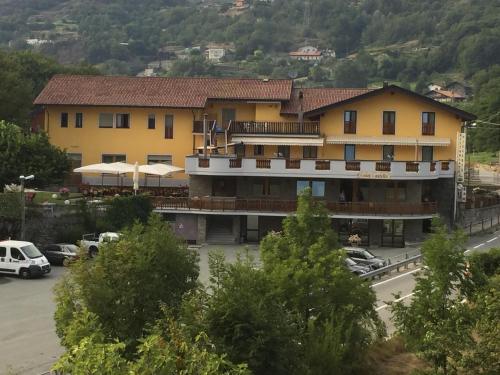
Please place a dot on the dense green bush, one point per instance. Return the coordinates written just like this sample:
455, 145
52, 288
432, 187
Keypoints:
124, 211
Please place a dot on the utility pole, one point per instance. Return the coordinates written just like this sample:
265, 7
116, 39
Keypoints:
23, 203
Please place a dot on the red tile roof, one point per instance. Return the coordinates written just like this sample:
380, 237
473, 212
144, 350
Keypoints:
157, 91
314, 98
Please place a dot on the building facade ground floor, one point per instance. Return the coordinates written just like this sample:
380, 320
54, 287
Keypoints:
234, 229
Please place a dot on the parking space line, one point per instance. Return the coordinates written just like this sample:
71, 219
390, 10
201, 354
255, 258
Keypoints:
395, 278
493, 239
396, 300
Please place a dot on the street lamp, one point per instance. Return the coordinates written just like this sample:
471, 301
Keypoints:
23, 178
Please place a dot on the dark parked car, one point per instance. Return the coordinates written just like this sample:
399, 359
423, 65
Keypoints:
61, 253
363, 256
356, 268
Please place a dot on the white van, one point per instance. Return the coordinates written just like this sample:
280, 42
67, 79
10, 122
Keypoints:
22, 258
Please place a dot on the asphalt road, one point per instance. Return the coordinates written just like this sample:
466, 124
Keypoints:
404, 283
28, 342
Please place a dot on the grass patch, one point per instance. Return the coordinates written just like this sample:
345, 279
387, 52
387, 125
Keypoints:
46, 196
391, 357
485, 157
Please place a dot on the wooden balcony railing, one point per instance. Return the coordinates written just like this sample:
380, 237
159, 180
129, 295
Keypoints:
428, 129
286, 206
275, 128
203, 163
235, 163
445, 165
292, 164
349, 128
322, 165
263, 163
352, 166
383, 166
389, 128
411, 166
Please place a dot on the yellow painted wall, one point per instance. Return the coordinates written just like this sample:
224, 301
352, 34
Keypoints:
408, 124
244, 111
137, 142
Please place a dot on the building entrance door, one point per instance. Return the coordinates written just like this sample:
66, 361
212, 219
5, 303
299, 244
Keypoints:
393, 233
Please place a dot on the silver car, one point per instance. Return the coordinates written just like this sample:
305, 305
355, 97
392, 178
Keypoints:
356, 268
363, 256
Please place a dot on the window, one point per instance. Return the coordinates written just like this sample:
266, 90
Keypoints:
258, 150
388, 153
228, 115
122, 121
105, 120
151, 121
258, 187
427, 153
389, 122
350, 122
301, 186
284, 152
16, 254
113, 158
75, 160
160, 159
428, 123
78, 120
349, 152
317, 187
310, 152
3, 252
395, 192
64, 120
169, 126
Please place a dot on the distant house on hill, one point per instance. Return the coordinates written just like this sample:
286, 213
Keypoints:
307, 53
451, 93
215, 52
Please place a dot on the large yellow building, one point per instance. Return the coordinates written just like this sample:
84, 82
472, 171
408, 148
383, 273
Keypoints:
383, 160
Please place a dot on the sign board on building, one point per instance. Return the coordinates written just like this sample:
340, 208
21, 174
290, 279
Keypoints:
460, 157
374, 175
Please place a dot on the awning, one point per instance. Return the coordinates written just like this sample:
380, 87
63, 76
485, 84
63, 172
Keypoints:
387, 140
279, 141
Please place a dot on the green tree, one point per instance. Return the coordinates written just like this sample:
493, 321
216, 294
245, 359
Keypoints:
349, 74
24, 154
482, 356
309, 273
127, 283
436, 324
124, 211
166, 350
247, 320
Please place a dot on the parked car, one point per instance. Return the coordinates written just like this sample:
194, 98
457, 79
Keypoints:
22, 258
356, 268
91, 241
61, 253
365, 257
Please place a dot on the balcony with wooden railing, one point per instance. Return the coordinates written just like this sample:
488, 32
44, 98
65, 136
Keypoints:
225, 165
284, 207
428, 129
275, 128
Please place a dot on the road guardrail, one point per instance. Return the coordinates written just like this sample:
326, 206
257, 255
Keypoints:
391, 267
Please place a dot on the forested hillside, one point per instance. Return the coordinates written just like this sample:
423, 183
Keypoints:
411, 43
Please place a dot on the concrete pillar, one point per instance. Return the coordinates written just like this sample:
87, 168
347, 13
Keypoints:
236, 228
202, 229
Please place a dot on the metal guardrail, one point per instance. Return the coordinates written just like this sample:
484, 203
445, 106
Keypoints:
391, 267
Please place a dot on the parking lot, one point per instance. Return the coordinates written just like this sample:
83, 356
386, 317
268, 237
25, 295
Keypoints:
28, 342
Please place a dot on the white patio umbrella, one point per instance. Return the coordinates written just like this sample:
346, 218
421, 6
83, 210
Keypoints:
158, 169
117, 168
136, 178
